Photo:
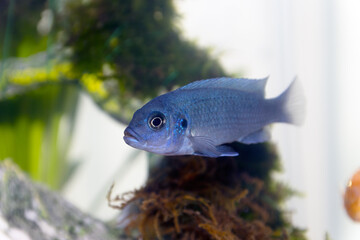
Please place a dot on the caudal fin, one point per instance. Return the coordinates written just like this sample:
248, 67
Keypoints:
292, 103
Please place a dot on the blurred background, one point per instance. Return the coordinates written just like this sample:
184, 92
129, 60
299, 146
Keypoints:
73, 72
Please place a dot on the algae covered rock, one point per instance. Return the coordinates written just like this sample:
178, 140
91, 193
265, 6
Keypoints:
30, 211
193, 197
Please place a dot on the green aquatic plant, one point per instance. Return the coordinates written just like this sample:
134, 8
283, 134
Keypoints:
139, 43
33, 127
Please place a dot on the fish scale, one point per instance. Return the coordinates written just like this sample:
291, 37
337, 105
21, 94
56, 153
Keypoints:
224, 114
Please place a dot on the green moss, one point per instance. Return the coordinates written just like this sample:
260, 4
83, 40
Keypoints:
138, 40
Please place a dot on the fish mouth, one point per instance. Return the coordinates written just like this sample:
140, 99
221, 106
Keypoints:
130, 136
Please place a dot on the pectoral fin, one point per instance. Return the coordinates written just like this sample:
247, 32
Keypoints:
262, 135
226, 151
204, 146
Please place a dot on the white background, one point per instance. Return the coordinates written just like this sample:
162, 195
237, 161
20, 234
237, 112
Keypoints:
317, 41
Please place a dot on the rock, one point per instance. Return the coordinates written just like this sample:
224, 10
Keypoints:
30, 211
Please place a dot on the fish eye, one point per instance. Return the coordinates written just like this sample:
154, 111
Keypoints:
156, 120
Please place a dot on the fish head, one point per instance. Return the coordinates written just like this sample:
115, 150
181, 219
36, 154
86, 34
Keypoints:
157, 128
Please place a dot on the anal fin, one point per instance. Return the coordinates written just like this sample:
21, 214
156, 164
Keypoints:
226, 151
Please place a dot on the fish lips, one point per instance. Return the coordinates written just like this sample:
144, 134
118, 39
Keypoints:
131, 137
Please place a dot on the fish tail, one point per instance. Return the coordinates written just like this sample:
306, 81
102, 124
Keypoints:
292, 104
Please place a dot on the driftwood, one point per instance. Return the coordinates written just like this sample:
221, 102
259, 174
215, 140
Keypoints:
30, 211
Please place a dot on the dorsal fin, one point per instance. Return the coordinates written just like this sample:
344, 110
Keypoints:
243, 84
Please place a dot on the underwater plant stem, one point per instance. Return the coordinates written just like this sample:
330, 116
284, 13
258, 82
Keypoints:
50, 36
6, 46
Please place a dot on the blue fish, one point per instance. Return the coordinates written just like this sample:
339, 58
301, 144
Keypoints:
201, 117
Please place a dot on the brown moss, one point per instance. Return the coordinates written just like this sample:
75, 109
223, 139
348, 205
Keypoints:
191, 197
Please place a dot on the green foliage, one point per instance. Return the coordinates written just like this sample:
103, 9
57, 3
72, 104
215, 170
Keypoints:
36, 115
18, 22
139, 41
36, 129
